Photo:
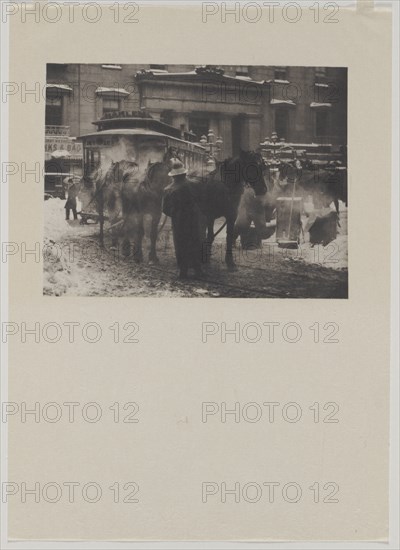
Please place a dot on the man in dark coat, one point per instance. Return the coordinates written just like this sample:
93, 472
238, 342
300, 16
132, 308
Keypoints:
72, 193
180, 205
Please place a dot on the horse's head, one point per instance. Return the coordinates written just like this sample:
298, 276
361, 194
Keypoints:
253, 171
157, 175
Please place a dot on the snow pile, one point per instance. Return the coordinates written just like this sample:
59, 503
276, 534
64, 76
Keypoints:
56, 267
56, 270
56, 226
334, 255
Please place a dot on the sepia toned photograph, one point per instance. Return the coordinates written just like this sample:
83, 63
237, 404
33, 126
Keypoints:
199, 323
196, 181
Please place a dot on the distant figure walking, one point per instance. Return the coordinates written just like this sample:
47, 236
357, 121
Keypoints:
180, 205
72, 192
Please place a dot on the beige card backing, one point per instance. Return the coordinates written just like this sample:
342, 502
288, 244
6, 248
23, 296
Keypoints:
171, 453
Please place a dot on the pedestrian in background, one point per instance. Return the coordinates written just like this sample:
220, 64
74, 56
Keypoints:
72, 192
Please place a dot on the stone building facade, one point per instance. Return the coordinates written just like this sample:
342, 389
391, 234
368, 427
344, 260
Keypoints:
241, 104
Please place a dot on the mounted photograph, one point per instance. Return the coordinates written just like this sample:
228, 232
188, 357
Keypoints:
211, 181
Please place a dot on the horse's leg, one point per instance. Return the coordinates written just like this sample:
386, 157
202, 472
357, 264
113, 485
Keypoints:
139, 232
126, 246
336, 203
208, 242
113, 214
127, 230
101, 218
230, 231
155, 220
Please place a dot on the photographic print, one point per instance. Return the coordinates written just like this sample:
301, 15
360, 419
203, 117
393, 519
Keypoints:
200, 301
196, 181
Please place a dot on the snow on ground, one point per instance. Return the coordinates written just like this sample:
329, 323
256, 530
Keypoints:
57, 271
334, 255
75, 265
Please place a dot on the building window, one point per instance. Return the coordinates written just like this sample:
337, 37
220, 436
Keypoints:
54, 108
110, 105
199, 126
242, 70
280, 73
321, 123
282, 123
320, 74
158, 67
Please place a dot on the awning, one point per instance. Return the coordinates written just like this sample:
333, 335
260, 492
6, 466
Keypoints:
61, 154
111, 91
315, 105
61, 87
283, 102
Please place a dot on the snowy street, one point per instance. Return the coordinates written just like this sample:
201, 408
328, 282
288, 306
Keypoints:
74, 264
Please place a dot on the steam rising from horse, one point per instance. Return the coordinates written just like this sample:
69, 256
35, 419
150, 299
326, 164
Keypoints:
121, 190
324, 184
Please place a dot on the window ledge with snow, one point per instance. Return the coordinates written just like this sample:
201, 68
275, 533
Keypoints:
315, 105
114, 67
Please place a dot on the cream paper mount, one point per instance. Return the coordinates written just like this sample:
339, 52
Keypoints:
180, 472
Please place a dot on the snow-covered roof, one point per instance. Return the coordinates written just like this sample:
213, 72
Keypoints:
161, 74
134, 132
277, 81
103, 90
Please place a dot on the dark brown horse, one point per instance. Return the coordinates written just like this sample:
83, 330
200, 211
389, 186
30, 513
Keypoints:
219, 193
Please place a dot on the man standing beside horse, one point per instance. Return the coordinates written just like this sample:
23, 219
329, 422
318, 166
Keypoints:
180, 204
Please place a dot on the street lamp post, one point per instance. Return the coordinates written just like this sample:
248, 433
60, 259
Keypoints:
213, 147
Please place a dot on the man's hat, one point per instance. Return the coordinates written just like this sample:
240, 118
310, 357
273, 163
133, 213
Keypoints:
177, 168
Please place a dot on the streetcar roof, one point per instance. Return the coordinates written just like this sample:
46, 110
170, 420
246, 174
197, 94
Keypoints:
137, 132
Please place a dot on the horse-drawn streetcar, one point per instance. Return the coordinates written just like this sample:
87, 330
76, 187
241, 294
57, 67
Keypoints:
138, 138
125, 166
